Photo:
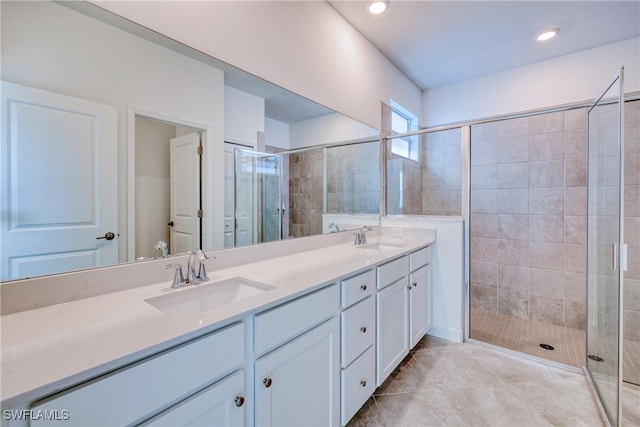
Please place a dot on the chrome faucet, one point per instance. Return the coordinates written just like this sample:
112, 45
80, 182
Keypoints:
361, 236
196, 272
332, 226
162, 247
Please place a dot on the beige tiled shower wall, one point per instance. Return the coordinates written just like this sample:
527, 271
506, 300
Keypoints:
432, 185
306, 175
632, 223
353, 178
353, 185
528, 218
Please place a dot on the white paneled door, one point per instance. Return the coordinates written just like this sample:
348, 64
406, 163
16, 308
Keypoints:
58, 182
184, 178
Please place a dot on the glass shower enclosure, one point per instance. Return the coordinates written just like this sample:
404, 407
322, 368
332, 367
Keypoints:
606, 251
257, 197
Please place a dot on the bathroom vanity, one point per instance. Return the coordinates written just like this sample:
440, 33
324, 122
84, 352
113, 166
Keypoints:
297, 339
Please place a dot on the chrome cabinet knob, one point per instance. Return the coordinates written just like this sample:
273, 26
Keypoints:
239, 401
363, 287
363, 329
267, 382
363, 383
415, 284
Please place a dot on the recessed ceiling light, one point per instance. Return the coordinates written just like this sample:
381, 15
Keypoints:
548, 34
378, 7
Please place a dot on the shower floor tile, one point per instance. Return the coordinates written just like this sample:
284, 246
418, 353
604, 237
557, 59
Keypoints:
525, 336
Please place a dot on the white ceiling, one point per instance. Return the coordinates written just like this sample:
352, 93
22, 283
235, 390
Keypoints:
440, 42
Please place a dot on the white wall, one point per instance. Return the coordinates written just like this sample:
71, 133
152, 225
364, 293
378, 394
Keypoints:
447, 272
571, 78
51, 47
303, 46
243, 116
326, 129
276, 134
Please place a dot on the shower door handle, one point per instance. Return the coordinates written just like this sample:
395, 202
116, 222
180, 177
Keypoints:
619, 256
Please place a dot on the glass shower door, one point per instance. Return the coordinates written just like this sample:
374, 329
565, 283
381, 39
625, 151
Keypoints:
257, 197
605, 250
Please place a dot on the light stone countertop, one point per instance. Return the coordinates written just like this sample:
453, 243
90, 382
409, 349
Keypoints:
48, 349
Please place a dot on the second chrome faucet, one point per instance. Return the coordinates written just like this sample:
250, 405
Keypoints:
196, 271
361, 236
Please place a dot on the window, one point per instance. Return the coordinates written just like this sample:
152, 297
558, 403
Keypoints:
402, 121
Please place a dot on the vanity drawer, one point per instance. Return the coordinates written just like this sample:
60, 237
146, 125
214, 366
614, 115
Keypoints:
420, 258
275, 326
392, 271
358, 287
130, 394
358, 329
358, 384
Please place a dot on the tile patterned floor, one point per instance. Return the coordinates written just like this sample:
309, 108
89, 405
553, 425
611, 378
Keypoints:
447, 384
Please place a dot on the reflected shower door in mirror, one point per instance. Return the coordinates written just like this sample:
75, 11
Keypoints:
257, 198
78, 50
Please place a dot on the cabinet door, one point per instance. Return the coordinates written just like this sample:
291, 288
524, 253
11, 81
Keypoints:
221, 404
419, 304
393, 328
298, 384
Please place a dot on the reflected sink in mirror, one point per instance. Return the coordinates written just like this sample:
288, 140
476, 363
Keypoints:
207, 296
381, 246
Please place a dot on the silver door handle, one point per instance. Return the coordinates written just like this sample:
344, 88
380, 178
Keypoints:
108, 235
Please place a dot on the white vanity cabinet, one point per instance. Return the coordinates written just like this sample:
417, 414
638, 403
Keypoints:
136, 392
358, 334
392, 343
419, 303
297, 383
221, 404
403, 305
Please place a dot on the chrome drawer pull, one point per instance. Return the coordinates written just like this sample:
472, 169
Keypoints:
239, 400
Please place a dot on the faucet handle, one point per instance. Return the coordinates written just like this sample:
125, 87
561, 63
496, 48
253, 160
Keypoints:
202, 272
178, 278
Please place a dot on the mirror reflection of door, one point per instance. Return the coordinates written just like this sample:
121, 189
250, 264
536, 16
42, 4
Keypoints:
57, 212
167, 187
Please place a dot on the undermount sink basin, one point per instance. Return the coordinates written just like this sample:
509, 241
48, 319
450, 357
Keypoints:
207, 296
381, 246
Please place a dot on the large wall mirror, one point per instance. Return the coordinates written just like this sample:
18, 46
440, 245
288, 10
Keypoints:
117, 141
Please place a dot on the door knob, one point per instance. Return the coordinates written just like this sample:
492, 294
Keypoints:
239, 401
108, 235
